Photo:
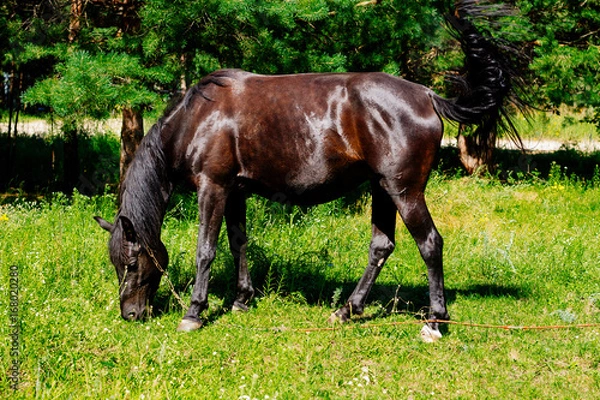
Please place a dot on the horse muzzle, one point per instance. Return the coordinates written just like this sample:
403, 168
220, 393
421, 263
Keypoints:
132, 312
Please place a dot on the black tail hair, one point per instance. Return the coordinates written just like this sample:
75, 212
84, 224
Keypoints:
492, 80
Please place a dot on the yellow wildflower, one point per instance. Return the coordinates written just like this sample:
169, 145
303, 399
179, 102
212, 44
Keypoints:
3, 217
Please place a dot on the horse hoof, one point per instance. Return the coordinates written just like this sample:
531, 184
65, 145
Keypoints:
187, 325
239, 307
334, 318
429, 335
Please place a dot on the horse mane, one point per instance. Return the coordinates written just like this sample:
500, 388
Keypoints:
146, 189
219, 78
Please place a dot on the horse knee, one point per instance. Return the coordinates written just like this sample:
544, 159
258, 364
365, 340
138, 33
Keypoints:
381, 248
205, 257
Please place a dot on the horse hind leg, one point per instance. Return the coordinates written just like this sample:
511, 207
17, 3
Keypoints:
235, 219
416, 217
383, 223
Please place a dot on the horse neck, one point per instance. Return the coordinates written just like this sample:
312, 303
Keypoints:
146, 189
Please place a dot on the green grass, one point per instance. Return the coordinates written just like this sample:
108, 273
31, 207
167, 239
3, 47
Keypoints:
523, 254
568, 127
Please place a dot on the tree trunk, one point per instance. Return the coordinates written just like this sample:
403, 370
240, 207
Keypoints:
75, 23
6, 176
132, 132
15, 84
476, 154
71, 156
17, 100
11, 96
70, 127
182, 78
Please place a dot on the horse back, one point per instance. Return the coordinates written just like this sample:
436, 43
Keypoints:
305, 136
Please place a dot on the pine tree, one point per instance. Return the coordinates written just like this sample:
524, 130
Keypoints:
567, 53
100, 69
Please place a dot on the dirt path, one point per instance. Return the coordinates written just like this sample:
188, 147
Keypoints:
540, 145
43, 127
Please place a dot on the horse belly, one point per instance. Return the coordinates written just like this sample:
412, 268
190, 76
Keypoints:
305, 183
303, 195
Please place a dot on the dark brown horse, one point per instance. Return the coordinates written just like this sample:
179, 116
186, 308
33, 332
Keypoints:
304, 139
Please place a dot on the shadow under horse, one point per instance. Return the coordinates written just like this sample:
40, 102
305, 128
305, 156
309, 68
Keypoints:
302, 139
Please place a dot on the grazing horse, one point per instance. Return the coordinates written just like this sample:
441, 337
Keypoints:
304, 139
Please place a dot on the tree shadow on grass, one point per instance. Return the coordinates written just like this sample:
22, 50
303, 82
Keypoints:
305, 277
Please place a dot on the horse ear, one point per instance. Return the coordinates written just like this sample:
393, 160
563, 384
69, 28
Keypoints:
104, 224
128, 230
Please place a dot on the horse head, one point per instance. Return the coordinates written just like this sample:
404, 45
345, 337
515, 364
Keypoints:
139, 267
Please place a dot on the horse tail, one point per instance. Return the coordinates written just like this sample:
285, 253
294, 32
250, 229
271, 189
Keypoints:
491, 81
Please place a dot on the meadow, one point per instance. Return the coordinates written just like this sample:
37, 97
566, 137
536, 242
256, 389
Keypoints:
517, 253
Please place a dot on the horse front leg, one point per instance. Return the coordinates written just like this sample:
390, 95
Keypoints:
235, 218
211, 203
383, 224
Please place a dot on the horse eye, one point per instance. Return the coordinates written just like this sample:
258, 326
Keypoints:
132, 266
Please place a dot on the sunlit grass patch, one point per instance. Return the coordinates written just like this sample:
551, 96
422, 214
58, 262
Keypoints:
522, 255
